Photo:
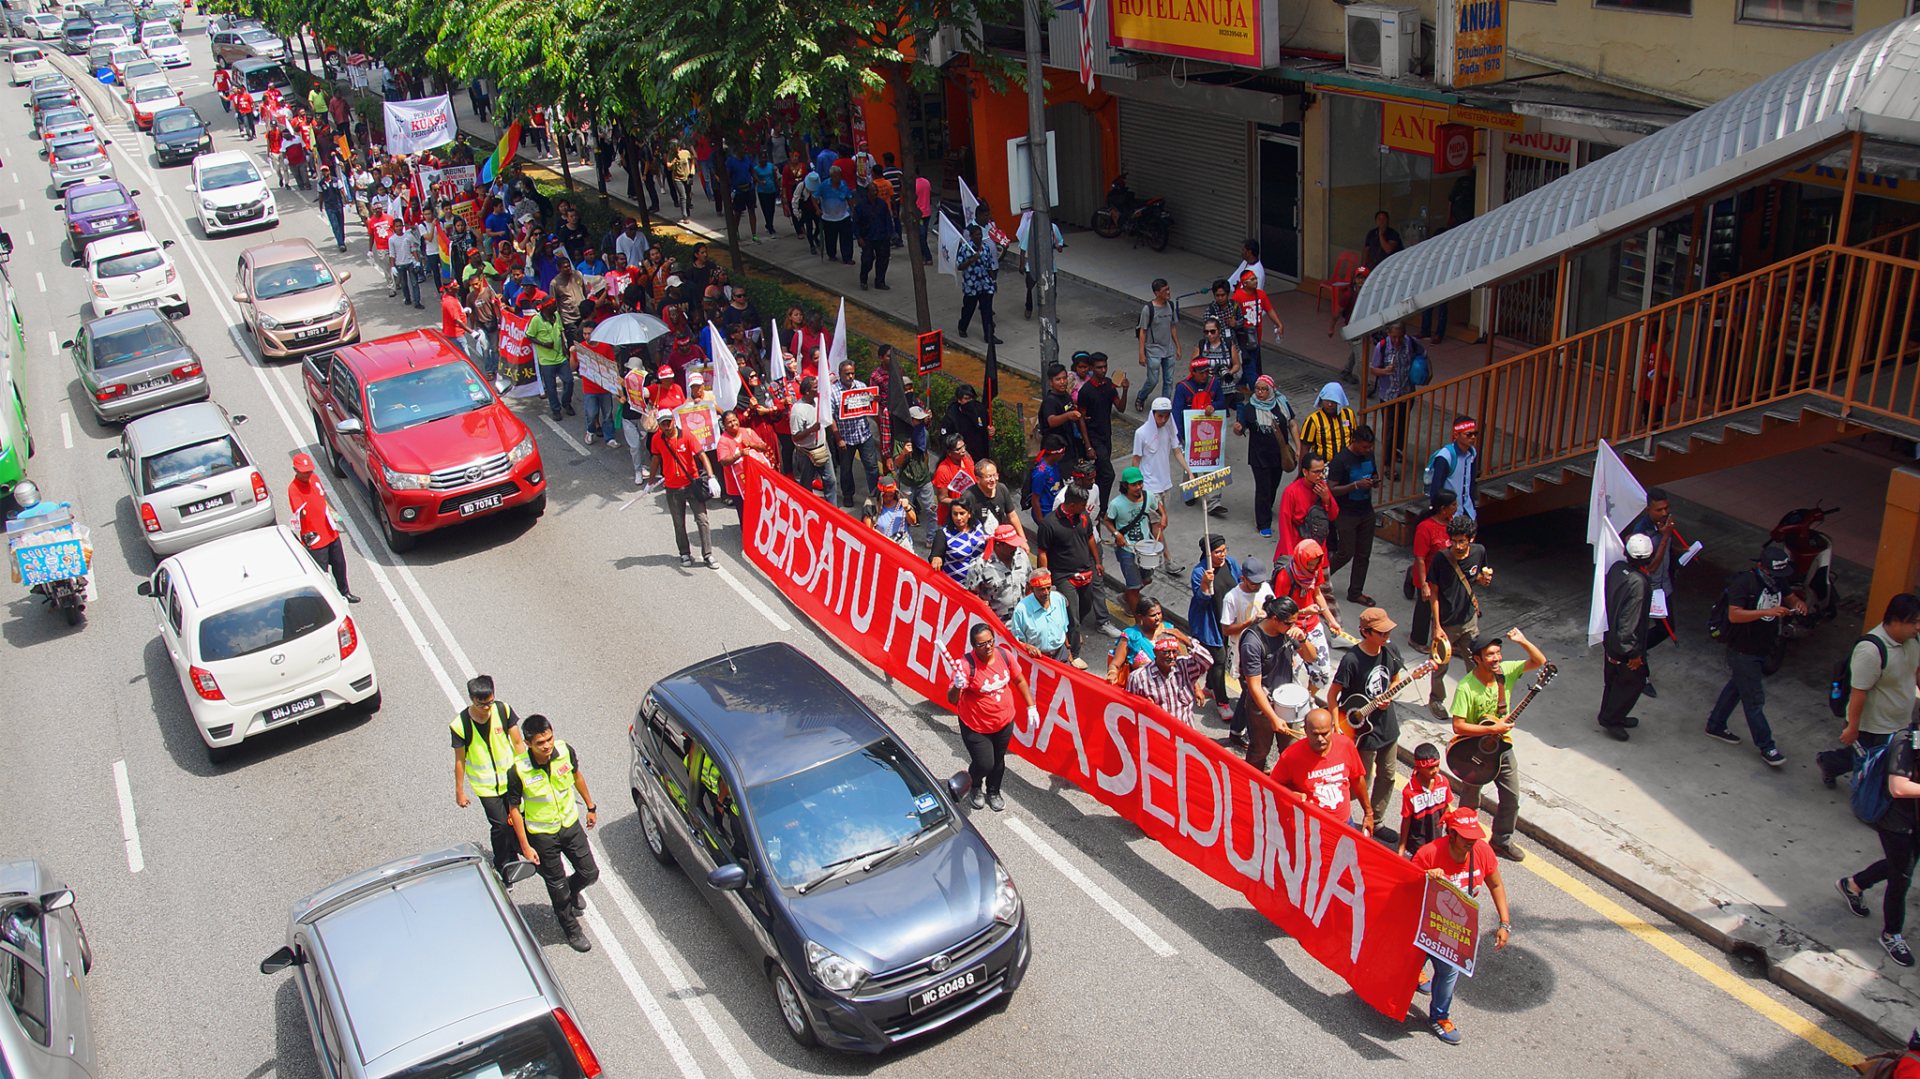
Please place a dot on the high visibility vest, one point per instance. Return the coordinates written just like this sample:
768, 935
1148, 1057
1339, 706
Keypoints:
488, 758
547, 802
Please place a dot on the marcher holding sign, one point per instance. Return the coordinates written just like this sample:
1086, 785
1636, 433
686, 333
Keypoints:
699, 423
1206, 440
1462, 859
857, 403
516, 356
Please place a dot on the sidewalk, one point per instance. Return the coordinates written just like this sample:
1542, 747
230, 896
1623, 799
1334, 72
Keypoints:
1707, 834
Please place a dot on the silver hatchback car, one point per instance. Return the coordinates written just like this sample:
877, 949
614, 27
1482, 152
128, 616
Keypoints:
76, 158
44, 960
424, 967
191, 477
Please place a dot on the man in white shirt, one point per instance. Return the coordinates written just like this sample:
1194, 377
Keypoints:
1155, 448
632, 243
1250, 260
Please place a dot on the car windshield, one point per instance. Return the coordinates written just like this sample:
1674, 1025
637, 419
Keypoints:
142, 67
167, 41
130, 263
864, 803
231, 174
126, 56
96, 200
57, 117
152, 93
287, 278
262, 77
73, 151
422, 396
263, 623
533, 1050
190, 463
255, 37
168, 123
134, 344
55, 99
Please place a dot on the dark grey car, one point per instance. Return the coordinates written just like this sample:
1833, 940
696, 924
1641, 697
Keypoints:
44, 960
134, 363
423, 967
877, 911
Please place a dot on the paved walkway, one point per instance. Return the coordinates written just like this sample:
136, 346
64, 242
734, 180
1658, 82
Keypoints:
1744, 854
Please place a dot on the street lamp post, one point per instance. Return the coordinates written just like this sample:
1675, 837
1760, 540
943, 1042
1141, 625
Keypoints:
1039, 246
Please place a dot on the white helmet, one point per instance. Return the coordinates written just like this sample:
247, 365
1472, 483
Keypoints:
26, 494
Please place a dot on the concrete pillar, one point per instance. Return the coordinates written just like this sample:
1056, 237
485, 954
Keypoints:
1896, 566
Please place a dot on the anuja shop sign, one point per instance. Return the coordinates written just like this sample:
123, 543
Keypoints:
1472, 46
1244, 33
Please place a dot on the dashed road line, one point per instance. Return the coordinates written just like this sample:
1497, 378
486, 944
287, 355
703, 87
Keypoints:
129, 828
66, 430
754, 601
578, 449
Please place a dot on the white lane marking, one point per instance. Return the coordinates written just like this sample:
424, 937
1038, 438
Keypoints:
29, 237
53, 343
578, 449
643, 996
66, 429
679, 985
39, 277
754, 601
136, 861
1108, 903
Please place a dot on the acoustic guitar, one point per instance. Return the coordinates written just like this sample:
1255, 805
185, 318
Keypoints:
1355, 718
1474, 759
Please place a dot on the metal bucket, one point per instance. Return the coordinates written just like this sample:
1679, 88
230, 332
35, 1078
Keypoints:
1147, 554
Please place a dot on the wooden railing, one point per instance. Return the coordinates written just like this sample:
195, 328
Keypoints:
1835, 322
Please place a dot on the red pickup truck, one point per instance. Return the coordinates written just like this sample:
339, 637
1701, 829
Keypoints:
424, 431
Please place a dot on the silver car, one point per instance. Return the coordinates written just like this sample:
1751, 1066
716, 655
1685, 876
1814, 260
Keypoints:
44, 960
423, 966
191, 477
134, 363
76, 158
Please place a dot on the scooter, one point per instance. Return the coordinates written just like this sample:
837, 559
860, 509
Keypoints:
1812, 552
52, 553
1150, 221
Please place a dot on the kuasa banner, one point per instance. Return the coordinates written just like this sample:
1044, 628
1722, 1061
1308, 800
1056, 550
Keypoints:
421, 124
1350, 902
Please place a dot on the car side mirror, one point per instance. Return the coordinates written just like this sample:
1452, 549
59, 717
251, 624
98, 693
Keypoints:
79, 263
728, 878
135, 193
350, 425
239, 297
59, 900
959, 784
346, 275
144, 588
192, 188
240, 419
518, 871
113, 454
109, 142
68, 343
164, 244
280, 960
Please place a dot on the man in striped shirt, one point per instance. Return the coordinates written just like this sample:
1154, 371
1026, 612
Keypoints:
1329, 427
1172, 679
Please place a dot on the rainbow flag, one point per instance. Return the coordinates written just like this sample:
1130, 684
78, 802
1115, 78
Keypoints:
503, 153
446, 249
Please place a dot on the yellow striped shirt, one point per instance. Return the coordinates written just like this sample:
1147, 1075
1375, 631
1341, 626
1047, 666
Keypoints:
1327, 435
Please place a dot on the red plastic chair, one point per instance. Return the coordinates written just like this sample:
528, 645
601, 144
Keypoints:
1342, 278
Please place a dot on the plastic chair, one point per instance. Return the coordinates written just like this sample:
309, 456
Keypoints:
1343, 268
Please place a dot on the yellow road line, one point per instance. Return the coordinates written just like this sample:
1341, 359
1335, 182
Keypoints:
1726, 981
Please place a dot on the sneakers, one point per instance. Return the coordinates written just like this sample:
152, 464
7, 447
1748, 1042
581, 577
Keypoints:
1856, 902
578, 941
711, 564
588, 441
1773, 756
1896, 947
1267, 533
1728, 737
999, 805
978, 799
1425, 988
1446, 1031
639, 479
686, 560
1112, 630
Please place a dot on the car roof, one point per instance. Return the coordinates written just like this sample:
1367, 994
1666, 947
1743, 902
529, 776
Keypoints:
72, 137
281, 251
93, 187
417, 945
254, 63
224, 157
401, 352
181, 425
257, 559
139, 316
770, 710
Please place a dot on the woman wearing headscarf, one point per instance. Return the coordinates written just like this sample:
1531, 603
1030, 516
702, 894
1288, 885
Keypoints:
967, 417
1155, 449
1329, 427
1266, 418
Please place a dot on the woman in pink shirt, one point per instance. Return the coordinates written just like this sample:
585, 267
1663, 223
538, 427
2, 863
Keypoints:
983, 688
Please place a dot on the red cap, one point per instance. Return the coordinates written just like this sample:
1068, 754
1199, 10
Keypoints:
302, 463
1465, 823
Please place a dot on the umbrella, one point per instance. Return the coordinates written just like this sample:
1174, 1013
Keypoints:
630, 328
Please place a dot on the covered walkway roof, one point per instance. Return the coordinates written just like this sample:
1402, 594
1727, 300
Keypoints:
1870, 84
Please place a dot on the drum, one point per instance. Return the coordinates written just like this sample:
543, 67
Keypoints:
1147, 554
1292, 701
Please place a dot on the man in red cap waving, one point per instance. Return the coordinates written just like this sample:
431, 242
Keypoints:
314, 523
1463, 859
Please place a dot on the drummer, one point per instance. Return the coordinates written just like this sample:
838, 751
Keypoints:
1137, 520
1271, 655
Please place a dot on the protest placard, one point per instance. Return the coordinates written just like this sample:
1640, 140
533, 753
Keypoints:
855, 404
698, 422
595, 367
1207, 483
1449, 928
1206, 439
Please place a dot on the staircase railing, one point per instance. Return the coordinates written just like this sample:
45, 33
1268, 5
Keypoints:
1834, 322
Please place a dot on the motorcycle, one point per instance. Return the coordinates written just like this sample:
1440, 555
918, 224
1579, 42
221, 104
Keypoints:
1812, 551
52, 553
1150, 221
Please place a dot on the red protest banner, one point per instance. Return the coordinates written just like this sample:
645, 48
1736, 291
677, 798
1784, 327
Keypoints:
1449, 925
861, 402
1349, 901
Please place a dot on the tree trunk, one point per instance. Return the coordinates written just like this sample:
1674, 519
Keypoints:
728, 211
909, 198
560, 143
306, 61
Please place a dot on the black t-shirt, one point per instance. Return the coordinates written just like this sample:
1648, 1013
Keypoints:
572, 237
1096, 403
1365, 677
507, 721
1065, 544
1004, 505
1905, 814
1272, 658
1347, 467
1752, 592
1456, 599
1051, 405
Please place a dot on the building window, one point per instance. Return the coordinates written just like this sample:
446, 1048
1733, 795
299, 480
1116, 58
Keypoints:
1655, 7
1819, 14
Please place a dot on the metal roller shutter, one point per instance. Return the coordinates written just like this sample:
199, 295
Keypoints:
1197, 161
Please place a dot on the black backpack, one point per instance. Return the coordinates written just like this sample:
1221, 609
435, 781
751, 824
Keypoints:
1840, 686
1316, 525
1719, 626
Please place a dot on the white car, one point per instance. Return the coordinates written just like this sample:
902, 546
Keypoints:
230, 192
132, 269
28, 61
44, 27
259, 636
169, 51
154, 28
109, 34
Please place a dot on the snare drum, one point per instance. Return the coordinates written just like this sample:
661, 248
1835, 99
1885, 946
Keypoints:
1291, 702
1147, 554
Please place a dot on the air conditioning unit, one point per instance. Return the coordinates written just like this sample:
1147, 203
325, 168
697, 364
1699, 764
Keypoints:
1382, 40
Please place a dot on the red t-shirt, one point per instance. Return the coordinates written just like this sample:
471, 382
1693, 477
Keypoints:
381, 229
679, 459
1429, 536
1253, 308
1327, 781
1468, 876
986, 701
453, 317
1421, 808
309, 502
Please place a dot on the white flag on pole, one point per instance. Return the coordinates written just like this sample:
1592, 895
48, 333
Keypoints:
726, 372
776, 363
950, 240
830, 367
1617, 496
967, 200
1605, 553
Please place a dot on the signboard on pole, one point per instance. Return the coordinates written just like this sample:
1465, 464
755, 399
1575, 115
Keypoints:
1206, 483
932, 344
1449, 928
1471, 49
1206, 439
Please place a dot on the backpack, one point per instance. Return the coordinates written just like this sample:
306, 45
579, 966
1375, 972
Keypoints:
1316, 525
1453, 462
1420, 371
1869, 785
1719, 626
1840, 686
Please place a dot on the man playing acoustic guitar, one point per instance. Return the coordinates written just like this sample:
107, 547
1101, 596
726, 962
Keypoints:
1481, 703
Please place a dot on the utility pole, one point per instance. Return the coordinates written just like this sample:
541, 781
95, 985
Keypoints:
1040, 195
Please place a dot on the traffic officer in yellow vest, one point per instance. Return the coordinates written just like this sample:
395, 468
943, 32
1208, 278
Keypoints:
486, 742
546, 818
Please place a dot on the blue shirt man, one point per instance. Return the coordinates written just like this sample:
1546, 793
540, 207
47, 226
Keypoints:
1040, 621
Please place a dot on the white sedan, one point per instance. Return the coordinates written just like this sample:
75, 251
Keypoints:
132, 269
259, 636
169, 51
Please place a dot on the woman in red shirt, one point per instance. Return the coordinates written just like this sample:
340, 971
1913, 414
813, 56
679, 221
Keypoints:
1463, 859
984, 685
1429, 535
